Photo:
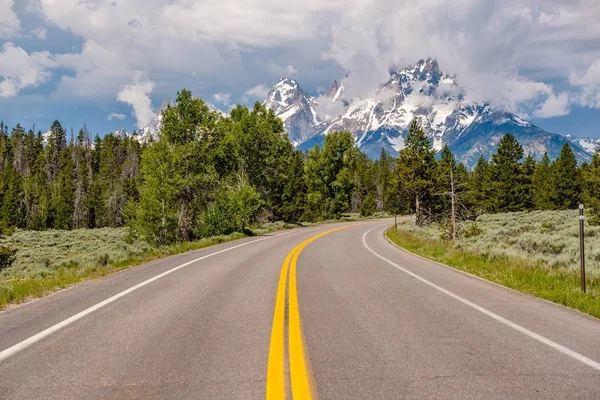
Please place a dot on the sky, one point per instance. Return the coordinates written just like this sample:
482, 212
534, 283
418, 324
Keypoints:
112, 63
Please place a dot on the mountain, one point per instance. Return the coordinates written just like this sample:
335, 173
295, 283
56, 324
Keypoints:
588, 144
421, 91
295, 108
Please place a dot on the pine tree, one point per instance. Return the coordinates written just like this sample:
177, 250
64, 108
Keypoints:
542, 184
566, 180
591, 192
415, 169
525, 183
13, 208
508, 196
480, 197
64, 195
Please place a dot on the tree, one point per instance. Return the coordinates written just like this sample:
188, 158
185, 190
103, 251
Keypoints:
506, 167
294, 192
591, 192
525, 183
330, 177
188, 120
415, 168
481, 188
566, 180
542, 184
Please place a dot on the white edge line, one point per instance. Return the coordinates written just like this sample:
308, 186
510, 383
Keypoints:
14, 349
579, 357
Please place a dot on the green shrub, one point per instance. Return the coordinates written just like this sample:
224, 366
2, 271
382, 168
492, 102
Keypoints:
7, 257
472, 230
367, 208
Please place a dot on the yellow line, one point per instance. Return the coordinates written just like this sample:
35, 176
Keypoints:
300, 372
275, 368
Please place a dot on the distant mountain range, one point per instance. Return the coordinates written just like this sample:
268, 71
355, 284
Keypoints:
380, 121
419, 91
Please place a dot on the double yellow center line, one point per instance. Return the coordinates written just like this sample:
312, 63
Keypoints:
300, 373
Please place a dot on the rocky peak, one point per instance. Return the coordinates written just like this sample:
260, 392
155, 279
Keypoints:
334, 90
284, 94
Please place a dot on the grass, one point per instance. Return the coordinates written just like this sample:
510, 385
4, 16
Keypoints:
52, 260
515, 259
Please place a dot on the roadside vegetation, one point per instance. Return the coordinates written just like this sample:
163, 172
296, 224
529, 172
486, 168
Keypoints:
533, 252
210, 176
50, 260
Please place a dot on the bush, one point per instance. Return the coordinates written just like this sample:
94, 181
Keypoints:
472, 230
7, 257
368, 208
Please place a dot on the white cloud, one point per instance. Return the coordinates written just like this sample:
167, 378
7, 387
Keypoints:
33, 6
20, 70
39, 33
223, 98
259, 92
507, 52
291, 70
554, 106
9, 22
137, 95
487, 44
589, 83
114, 115
590, 77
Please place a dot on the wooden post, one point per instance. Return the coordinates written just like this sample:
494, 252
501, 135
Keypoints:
582, 247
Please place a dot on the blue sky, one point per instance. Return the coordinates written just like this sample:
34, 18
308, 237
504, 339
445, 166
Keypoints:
112, 63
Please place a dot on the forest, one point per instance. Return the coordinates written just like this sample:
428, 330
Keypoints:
209, 175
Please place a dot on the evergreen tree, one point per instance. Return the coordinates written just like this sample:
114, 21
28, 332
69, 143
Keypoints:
480, 196
566, 180
591, 192
542, 184
506, 167
13, 209
415, 169
64, 195
525, 183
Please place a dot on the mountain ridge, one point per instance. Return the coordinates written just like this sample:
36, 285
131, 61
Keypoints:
421, 91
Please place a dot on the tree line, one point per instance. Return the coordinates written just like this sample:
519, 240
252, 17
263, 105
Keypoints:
208, 174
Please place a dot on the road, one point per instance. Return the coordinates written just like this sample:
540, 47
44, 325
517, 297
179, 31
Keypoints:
329, 312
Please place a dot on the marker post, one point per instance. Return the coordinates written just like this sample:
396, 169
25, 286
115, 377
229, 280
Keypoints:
582, 247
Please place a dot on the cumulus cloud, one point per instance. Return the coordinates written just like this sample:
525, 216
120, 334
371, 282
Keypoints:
507, 52
291, 70
20, 69
487, 44
39, 33
114, 115
589, 83
258, 92
137, 95
590, 77
9, 22
554, 106
223, 98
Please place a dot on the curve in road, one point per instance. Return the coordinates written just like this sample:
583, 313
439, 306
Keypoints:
376, 323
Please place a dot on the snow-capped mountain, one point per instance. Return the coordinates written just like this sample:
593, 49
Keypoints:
588, 144
295, 108
419, 91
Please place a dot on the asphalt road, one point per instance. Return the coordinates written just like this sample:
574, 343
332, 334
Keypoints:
350, 317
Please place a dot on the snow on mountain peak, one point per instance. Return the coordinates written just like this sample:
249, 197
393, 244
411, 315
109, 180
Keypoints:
422, 91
